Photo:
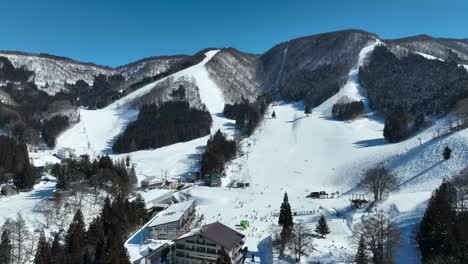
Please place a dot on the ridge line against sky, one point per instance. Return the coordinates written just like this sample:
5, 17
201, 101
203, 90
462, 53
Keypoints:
119, 32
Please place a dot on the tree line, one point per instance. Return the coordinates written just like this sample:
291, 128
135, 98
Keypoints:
116, 177
14, 164
105, 88
23, 118
218, 151
347, 110
247, 115
162, 125
52, 128
101, 242
442, 231
402, 90
296, 237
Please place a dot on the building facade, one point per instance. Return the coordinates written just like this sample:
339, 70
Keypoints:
170, 223
207, 244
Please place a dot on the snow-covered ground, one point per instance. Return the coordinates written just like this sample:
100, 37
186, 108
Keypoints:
95, 132
291, 153
25, 204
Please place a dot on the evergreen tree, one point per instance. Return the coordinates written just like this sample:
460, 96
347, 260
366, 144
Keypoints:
43, 251
95, 235
361, 255
106, 216
273, 115
307, 108
447, 153
140, 209
127, 161
75, 239
100, 253
285, 217
322, 227
5, 248
284, 237
115, 248
435, 229
396, 127
57, 252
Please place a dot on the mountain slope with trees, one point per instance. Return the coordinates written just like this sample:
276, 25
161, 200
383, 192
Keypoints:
163, 125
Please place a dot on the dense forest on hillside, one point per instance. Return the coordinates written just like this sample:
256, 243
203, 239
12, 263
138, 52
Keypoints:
52, 128
9, 73
442, 232
247, 115
103, 173
347, 110
101, 93
412, 84
183, 64
218, 151
163, 125
23, 115
315, 86
14, 164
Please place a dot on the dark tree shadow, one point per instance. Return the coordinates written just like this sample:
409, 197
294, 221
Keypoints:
297, 119
370, 143
426, 170
41, 194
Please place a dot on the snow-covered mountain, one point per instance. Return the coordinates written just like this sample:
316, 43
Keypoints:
443, 48
52, 72
293, 152
235, 72
290, 68
148, 67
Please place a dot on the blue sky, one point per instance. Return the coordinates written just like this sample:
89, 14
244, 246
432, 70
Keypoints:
117, 32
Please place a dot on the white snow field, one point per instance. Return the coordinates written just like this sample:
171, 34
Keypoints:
291, 153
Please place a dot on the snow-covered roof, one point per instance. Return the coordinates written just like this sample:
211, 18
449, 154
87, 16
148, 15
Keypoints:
172, 213
137, 252
156, 195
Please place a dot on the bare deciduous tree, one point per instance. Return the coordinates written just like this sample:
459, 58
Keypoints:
379, 181
300, 241
381, 237
460, 182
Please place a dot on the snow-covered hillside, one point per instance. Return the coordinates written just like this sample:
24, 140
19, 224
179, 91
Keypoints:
290, 153
96, 130
51, 73
136, 71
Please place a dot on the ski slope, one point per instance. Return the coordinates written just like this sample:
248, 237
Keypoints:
291, 153
97, 129
298, 154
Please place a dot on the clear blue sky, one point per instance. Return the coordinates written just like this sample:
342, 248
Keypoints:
118, 32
